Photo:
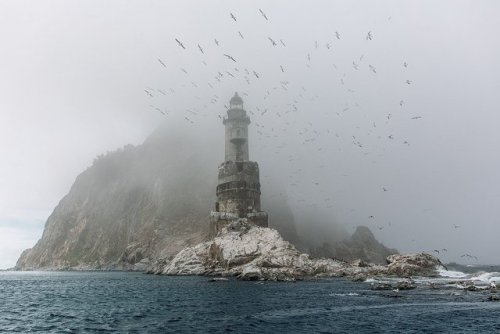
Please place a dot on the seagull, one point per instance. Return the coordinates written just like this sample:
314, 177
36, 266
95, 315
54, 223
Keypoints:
199, 47
241, 35
408, 82
272, 41
161, 62
405, 64
337, 35
456, 226
401, 103
437, 251
263, 14
282, 69
149, 93
179, 42
371, 217
256, 74
354, 65
373, 69
183, 70
384, 189
369, 36
229, 57
233, 17
282, 43
417, 117
216, 41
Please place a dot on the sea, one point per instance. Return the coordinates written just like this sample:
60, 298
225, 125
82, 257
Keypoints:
127, 302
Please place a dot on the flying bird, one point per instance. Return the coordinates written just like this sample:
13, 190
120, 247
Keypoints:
372, 68
201, 50
162, 63
233, 17
239, 32
272, 41
369, 36
418, 117
282, 43
408, 82
263, 14
229, 57
401, 103
337, 35
180, 43
256, 74
282, 69
405, 64
216, 41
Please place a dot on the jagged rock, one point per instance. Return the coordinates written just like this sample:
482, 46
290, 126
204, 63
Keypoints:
255, 253
407, 265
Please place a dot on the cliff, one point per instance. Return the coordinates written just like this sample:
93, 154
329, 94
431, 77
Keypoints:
137, 204
361, 245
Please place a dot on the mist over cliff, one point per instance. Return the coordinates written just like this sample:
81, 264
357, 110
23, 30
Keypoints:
140, 203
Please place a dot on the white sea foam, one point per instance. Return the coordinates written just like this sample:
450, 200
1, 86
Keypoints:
344, 294
486, 277
451, 273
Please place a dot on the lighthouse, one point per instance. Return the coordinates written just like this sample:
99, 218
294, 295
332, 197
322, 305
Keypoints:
238, 187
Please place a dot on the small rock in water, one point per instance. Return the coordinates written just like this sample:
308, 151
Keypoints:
359, 277
381, 286
406, 285
493, 298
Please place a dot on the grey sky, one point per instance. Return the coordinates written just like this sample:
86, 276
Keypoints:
73, 75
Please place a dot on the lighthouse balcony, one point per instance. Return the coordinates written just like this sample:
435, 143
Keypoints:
238, 140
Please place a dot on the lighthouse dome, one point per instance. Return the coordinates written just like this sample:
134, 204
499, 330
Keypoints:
236, 100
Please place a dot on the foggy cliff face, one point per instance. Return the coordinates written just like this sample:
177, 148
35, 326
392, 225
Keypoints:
137, 203
134, 203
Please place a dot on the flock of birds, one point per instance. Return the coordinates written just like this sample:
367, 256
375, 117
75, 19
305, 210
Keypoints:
279, 125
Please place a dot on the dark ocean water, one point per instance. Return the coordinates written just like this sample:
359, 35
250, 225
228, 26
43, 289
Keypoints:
111, 302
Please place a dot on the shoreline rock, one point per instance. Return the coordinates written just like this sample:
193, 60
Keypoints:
250, 252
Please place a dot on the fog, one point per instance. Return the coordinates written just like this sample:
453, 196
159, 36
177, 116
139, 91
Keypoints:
382, 114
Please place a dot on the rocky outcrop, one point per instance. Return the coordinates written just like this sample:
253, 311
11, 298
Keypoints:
254, 253
407, 265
